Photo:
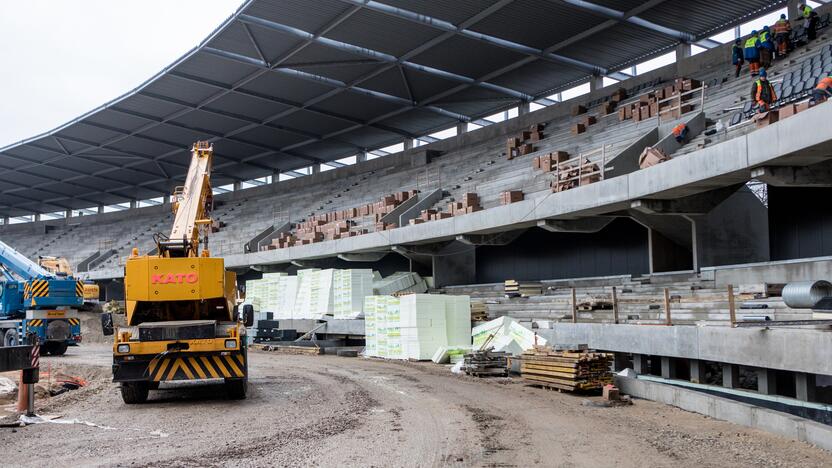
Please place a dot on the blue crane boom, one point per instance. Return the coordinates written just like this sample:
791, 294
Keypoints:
18, 264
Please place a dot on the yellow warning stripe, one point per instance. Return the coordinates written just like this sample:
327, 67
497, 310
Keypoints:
221, 367
161, 370
197, 368
233, 366
35, 323
74, 321
79, 288
209, 367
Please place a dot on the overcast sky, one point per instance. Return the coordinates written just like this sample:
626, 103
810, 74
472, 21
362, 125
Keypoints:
61, 58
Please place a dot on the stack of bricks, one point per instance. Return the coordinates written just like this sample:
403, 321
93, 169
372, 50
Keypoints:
470, 204
651, 105
511, 196
524, 143
339, 224
549, 162
430, 215
784, 112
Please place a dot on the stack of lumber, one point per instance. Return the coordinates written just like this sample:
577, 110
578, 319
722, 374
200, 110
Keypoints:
570, 370
486, 363
478, 312
306, 350
514, 288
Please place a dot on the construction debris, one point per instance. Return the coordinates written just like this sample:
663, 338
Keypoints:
571, 370
486, 363
514, 288
479, 313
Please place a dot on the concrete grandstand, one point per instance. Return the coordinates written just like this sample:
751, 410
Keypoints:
289, 98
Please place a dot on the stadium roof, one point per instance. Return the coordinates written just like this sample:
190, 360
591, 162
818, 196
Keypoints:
283, 84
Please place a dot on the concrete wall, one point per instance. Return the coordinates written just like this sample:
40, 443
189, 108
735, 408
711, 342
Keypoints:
772, 272
733, 411
794, 350
736, 231
620, 248
800, 220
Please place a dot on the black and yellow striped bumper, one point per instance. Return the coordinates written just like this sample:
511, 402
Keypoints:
180, 366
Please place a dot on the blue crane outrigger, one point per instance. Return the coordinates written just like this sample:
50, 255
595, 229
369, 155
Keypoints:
35, 300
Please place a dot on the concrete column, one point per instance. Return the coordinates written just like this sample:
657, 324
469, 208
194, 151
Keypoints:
596, 82
730, 376
461, 128
362, 156
767, 381
640, 364
621, 362
237, 185
408, 143
793, 12
275, 177
683, 51
37, 217
455, 268
68, 214
166, 200
133, 204
5, 220
316, 168
524, 108
697, 371
668, 368
100, 209
805, 386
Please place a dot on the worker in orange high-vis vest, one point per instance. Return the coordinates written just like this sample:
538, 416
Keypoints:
823, 90
680, 132
782, 30
763, 93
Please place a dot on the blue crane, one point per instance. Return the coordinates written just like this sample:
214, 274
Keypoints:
34, 300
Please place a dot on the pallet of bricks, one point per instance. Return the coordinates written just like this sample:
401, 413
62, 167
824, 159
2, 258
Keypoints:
470, 203
575, 172
573, 370
339, 224
660, 102
523, 143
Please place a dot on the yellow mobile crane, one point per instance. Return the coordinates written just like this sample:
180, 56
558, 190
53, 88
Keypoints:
181, 316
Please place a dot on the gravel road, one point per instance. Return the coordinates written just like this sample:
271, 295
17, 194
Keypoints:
334, 411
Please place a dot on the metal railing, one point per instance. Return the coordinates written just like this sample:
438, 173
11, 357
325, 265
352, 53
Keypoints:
677, 102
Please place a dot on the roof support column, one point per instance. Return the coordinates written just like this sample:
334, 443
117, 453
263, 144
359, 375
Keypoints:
133, 204
408, 143
237, 186
596, 82
524, 108
166, 200
683, 51
362, 156
68, 214
100, 209
316, 168
37, 217
461, 128
5, 220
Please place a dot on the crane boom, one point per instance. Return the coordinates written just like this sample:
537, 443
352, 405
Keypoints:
192, 204
18, 264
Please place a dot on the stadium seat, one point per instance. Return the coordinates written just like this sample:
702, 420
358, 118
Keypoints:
736, 118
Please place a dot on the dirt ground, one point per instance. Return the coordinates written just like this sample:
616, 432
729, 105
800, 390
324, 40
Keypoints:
335, 411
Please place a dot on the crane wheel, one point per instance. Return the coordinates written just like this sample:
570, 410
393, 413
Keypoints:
134, 392
10, 338
56, 348
236, 388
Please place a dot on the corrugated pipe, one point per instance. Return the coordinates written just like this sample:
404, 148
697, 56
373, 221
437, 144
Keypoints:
805, 294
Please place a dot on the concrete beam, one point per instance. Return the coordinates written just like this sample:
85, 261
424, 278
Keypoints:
699, 204
581, 225
500, 238
368, 257
818, 175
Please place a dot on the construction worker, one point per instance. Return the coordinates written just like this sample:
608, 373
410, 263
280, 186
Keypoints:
812, 28
766, 47
680, 132
762, 92
823, 90
737, 56
805, 12
782, 31
752, 52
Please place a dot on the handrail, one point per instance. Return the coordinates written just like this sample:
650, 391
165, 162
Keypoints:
678, 98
